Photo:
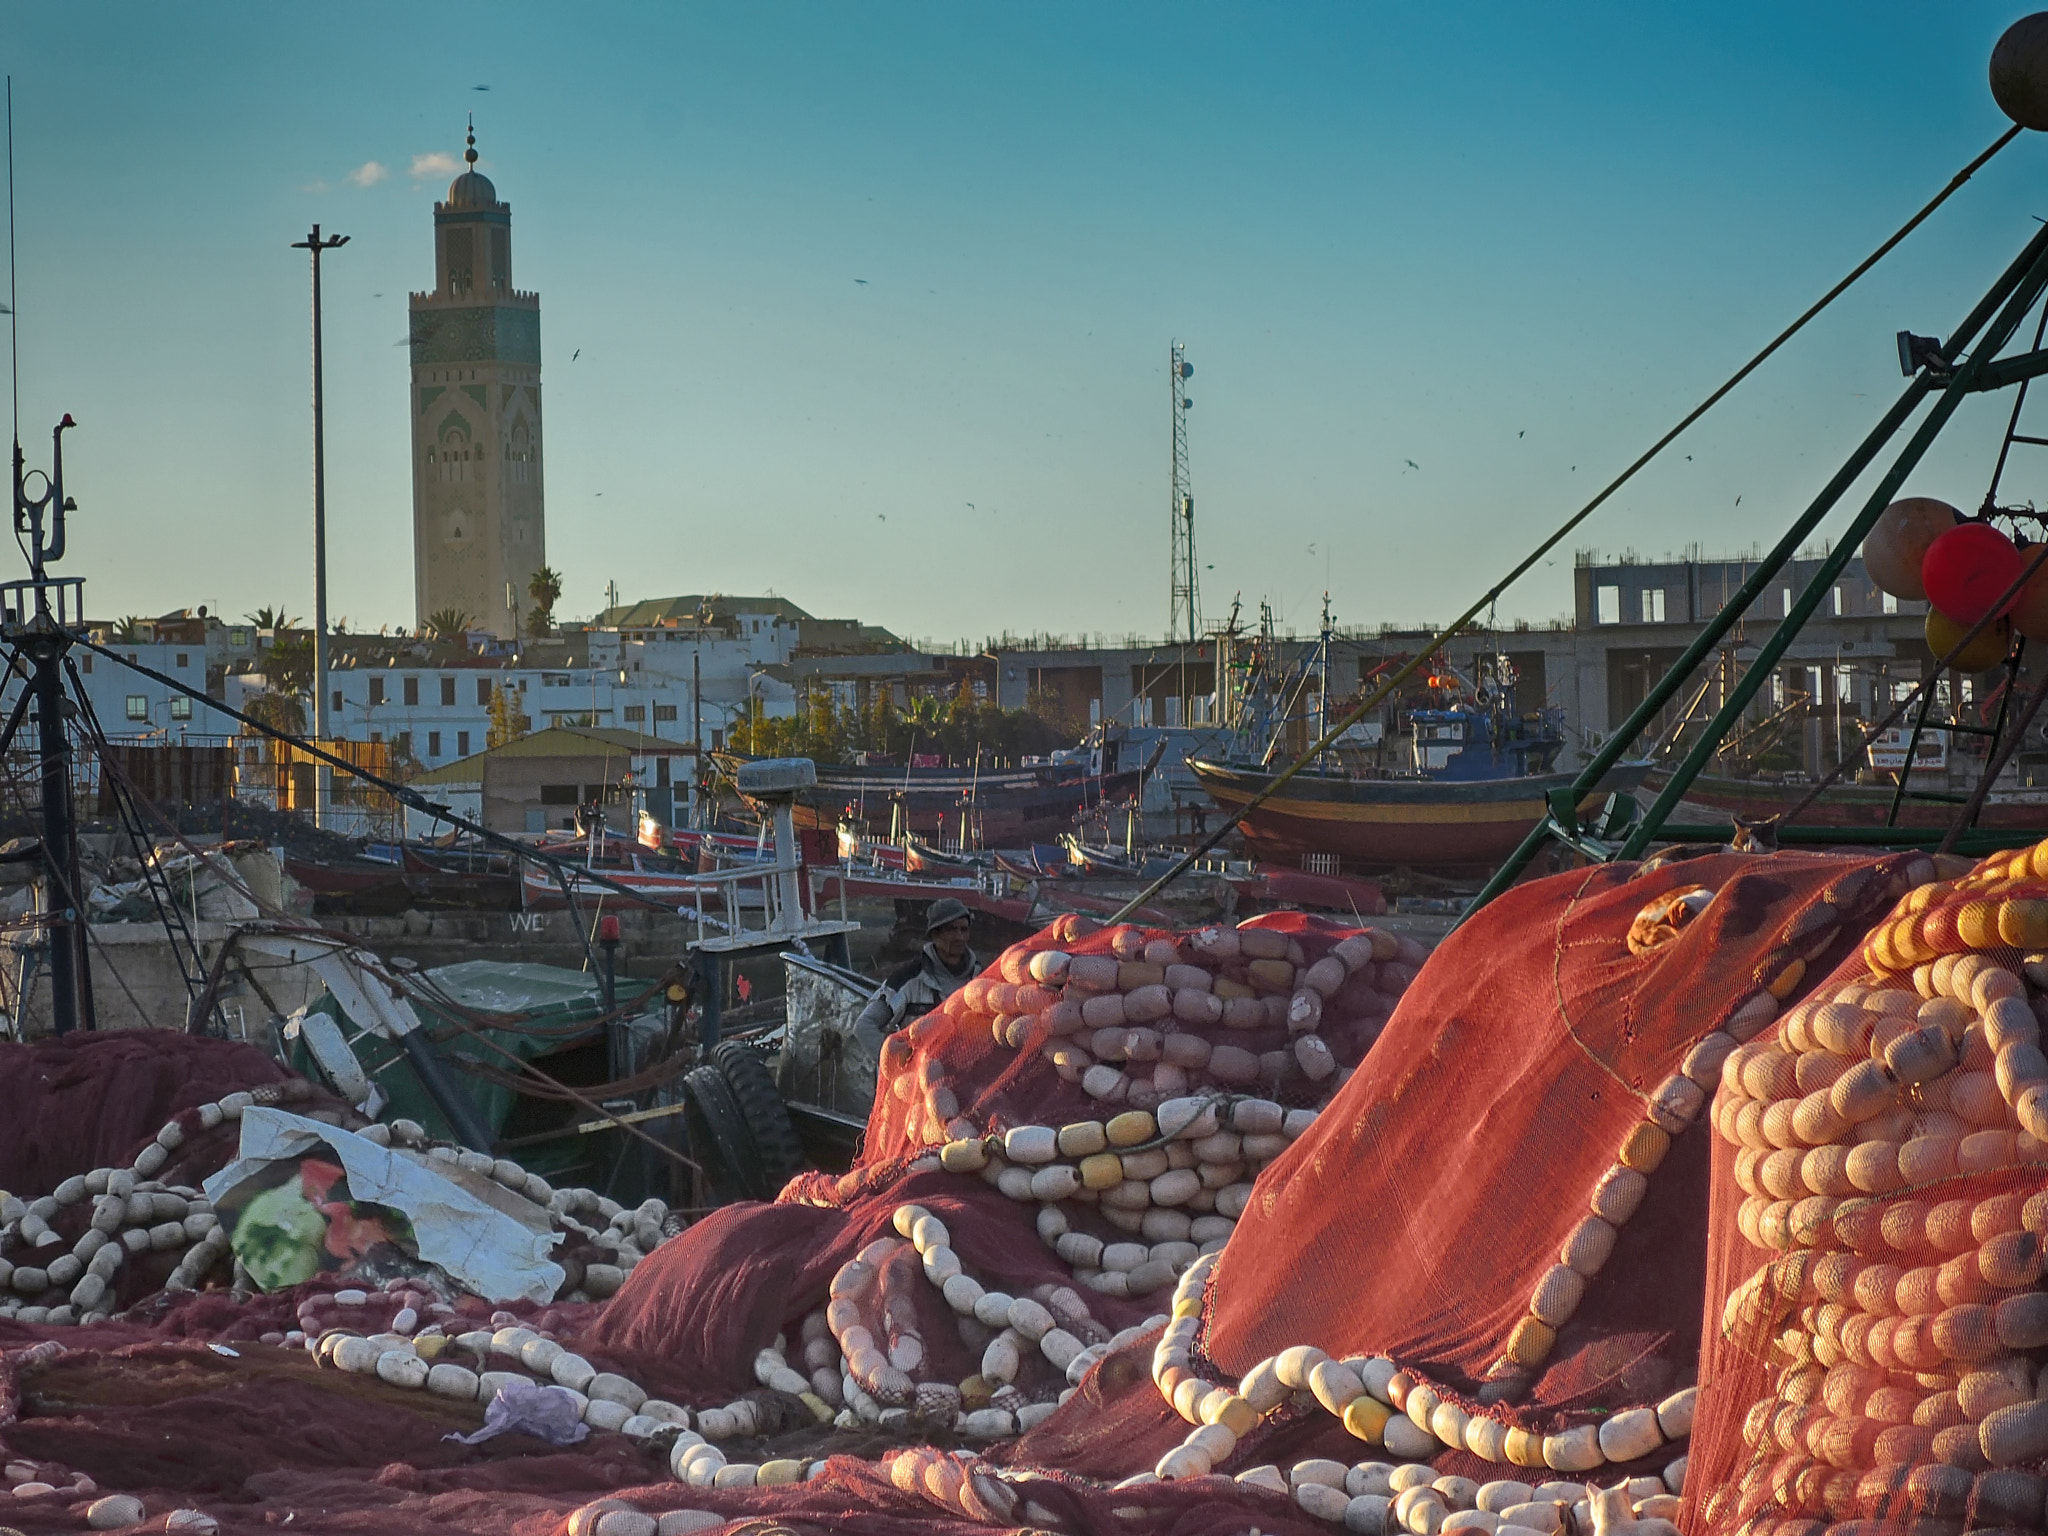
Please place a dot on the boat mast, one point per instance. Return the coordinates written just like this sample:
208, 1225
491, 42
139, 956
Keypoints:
1184, 608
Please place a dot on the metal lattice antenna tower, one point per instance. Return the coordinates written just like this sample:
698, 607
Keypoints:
1185, 612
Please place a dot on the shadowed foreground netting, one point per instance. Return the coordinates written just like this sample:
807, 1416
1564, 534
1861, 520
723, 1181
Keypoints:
1098, 1174
84, 1101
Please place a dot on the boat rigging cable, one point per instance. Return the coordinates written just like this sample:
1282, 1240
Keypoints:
1387, 688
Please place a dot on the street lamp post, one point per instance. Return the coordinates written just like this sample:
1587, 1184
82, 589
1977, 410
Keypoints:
321, 724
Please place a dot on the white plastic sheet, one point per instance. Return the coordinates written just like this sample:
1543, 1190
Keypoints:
489, 1251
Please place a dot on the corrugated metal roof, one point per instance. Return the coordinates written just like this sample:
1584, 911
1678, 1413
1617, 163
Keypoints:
555, 741
655, 611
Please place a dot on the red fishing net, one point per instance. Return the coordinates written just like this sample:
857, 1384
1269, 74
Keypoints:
89, 1099
1427, 1215
1497, 1223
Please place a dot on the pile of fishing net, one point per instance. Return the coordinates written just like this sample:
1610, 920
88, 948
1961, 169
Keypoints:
1144, 1239
1877, 1323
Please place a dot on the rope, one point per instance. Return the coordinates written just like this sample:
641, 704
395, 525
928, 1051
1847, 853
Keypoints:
1871, 733
625, 1087
1392, 684
1994, 765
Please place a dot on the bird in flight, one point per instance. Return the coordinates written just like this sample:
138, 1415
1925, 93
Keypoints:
576, 354
1523, 433
1688, 458
881, 517
1411, 464
862, 281
971, 507
479, 87
1738, 501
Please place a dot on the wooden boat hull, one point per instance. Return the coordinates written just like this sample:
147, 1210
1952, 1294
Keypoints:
1857, 805
1380, 824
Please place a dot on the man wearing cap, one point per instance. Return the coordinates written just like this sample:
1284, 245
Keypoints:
945, 965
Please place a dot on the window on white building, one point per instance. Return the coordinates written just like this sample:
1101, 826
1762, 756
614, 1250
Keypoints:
1890, 604
1653, 605
664, 712
462, 743
181, 708
433, 743
636, 711
138, 706
1607, 605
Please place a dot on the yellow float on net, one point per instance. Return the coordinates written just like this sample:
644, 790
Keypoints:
2023, 923
1977, 924
1367, 1418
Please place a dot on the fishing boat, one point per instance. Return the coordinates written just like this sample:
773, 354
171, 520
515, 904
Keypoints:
1471, 777
921, 857
991, 807
1443, 825
658, 879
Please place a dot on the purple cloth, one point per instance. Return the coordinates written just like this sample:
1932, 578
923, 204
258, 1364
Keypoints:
549, 1413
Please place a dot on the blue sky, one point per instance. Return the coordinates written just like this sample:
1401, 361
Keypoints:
1510, 243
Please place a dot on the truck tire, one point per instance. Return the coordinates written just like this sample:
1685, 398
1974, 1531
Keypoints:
778, 1152
719, 1139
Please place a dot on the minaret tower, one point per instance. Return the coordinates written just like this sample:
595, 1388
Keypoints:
478, 527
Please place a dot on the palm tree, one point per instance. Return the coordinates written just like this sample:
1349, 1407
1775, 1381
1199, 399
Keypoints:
280, 711
134, 630
270, 618
288, 664
544, 586
448, 624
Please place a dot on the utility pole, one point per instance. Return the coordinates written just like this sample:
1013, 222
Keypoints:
322, 731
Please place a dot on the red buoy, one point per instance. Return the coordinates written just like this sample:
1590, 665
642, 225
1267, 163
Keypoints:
1968, 571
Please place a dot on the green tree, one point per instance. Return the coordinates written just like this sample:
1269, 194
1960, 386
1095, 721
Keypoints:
544, 586
134, 630
270, 618
289, 664
508, 721
448, 624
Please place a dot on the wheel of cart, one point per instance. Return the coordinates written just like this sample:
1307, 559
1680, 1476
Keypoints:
720, 1141
778, 1152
